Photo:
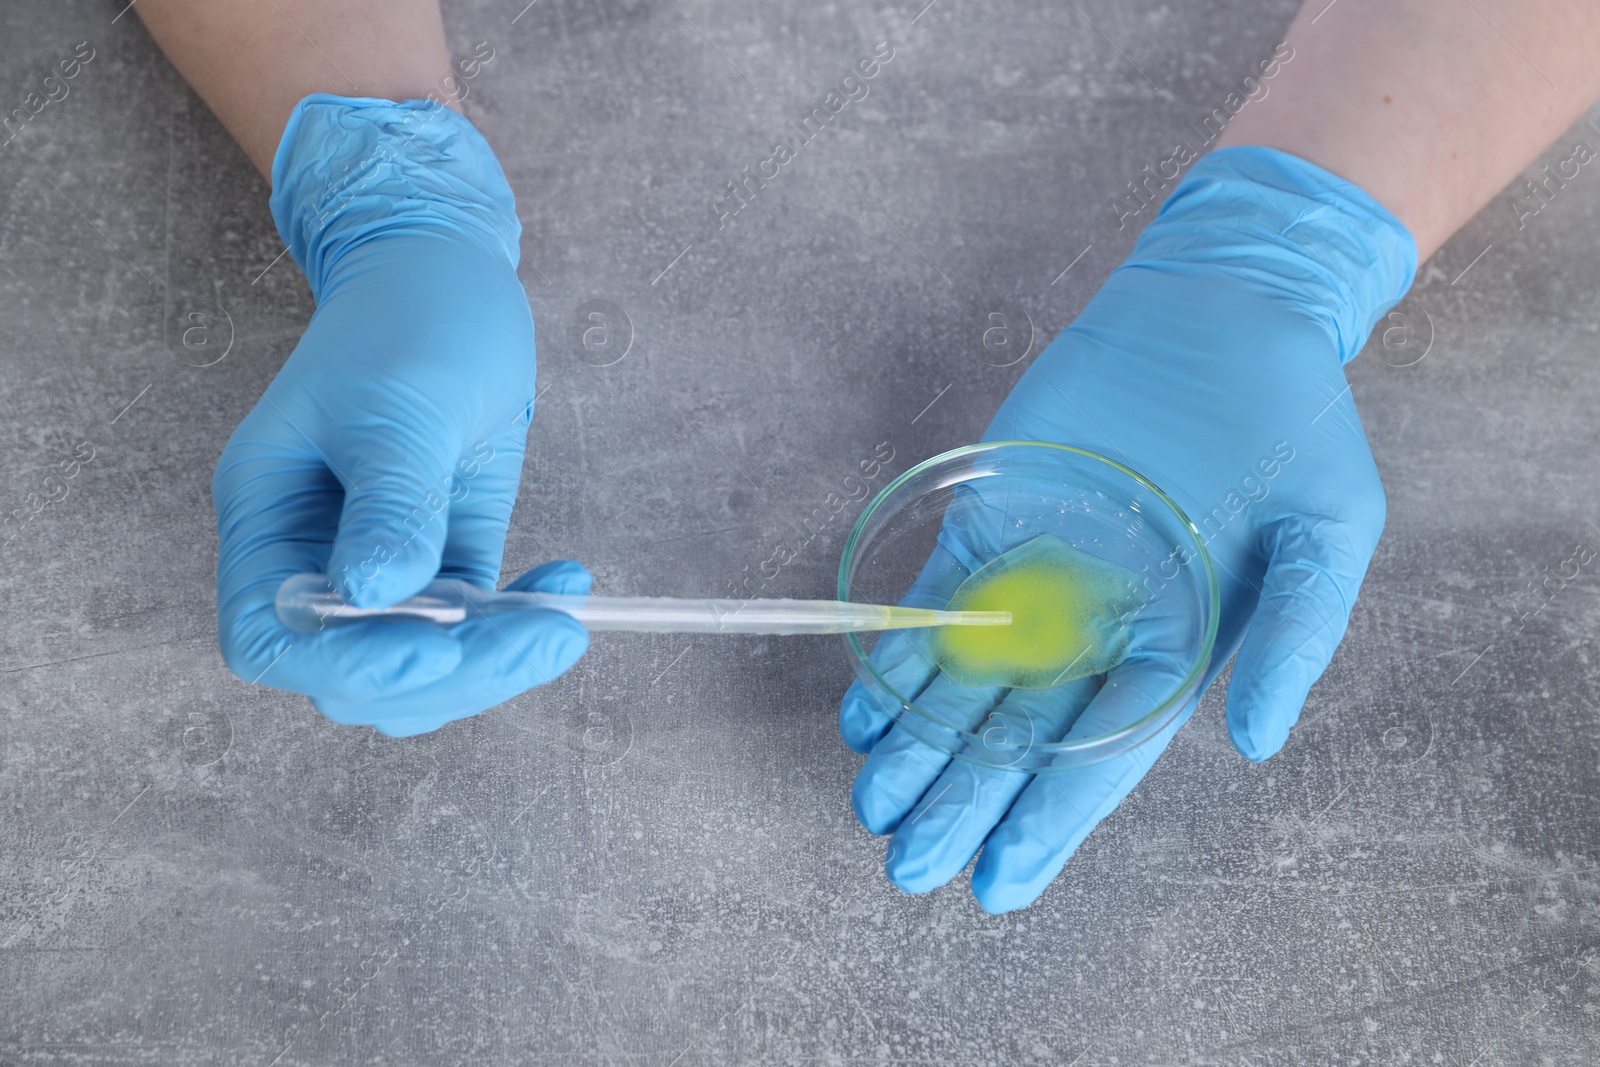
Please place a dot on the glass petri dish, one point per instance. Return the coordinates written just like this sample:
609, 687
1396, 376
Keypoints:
940, 521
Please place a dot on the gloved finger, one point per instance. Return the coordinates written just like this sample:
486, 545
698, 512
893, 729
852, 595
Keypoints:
905, 663
1057, 810
563, 576
275, 512
901, 657
901, 766
1314, 572
566, 577
937, 841
482, 491
501, 656
396, 513
356, 661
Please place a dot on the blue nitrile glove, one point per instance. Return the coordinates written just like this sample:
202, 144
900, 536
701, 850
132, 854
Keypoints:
388, 450
1211, 362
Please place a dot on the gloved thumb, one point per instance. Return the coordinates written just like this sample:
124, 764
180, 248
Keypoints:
1314, 572
396, 512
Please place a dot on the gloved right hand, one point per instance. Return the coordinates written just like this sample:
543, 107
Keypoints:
388, 450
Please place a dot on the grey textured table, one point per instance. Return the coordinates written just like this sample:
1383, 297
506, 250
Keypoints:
653, 861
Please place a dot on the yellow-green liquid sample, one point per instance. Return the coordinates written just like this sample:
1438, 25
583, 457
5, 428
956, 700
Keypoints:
1069, 618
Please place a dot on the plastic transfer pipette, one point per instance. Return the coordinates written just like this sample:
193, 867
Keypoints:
307, 603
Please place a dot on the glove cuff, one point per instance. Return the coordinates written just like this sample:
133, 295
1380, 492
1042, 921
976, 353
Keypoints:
349, 168
1318, 241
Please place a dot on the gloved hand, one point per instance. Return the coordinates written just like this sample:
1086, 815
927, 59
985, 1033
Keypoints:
388, 450
1211, 362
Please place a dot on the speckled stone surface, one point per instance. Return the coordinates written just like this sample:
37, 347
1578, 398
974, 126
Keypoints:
653, 861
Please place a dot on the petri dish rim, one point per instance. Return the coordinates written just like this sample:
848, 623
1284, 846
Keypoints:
1213, 592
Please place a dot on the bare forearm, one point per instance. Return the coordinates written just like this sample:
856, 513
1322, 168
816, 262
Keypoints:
252, 60
1431, 106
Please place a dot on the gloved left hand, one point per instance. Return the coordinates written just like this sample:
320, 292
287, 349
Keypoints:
388, 450
1212, 362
